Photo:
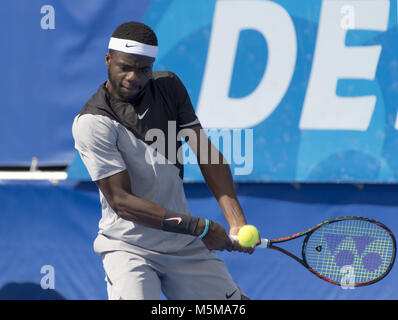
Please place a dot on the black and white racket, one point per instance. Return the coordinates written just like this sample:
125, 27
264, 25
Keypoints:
346, 251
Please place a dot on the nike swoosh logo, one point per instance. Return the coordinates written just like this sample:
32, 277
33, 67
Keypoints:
176, 218
127, 45
141, 116
228, 296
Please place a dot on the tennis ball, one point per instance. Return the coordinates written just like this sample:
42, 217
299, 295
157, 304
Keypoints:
248, 236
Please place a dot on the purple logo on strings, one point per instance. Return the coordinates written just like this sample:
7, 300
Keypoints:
371, 261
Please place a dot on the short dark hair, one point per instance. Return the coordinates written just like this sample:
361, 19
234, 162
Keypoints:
136, 31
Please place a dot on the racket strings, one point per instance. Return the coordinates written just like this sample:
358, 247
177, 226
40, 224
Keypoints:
358, 249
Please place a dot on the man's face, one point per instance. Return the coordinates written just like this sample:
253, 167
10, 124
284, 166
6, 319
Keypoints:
127, 74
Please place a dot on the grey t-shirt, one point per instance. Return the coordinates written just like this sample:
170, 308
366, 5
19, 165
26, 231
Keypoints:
110, 137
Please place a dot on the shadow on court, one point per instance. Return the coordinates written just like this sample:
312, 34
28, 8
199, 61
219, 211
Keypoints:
27, 291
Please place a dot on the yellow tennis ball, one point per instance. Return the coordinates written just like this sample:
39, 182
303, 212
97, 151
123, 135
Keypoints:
248, 236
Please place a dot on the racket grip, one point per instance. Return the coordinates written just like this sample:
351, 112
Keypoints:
264, 242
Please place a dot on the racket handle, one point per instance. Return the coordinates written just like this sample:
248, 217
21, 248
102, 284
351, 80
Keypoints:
264, 242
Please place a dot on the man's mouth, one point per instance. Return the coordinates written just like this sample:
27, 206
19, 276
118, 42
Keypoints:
130, 87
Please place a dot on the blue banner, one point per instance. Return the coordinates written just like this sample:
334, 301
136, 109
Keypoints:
316, 81
294, 91
52, 55
47, 250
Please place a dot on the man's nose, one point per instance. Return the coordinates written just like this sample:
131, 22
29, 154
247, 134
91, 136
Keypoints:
133, 76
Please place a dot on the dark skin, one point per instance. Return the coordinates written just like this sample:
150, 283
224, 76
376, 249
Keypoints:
127, 76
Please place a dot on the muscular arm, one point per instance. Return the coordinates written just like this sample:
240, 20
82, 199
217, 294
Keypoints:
117, 191
218, 178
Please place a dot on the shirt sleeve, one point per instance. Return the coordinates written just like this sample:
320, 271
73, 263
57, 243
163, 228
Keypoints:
186, 116
96, 141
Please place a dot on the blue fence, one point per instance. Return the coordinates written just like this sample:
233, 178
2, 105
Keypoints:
315, 81
49, 230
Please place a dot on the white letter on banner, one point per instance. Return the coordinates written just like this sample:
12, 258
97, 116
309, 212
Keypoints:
48, 280
48, 20
215, 108
323, 109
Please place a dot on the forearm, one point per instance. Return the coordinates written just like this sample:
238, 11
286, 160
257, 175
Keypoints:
141, 211
218, 177
219, 180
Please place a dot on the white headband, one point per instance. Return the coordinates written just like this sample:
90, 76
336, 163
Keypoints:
133, 47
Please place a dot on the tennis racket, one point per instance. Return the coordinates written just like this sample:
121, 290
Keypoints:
346, 251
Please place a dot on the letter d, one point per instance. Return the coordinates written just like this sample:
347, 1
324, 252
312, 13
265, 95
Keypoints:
215, 108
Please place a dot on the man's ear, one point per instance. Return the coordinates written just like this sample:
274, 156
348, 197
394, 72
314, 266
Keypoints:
108, 59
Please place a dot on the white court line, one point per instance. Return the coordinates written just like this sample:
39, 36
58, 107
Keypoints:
33, 175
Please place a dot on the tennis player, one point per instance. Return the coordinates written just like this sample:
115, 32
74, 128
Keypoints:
148, 240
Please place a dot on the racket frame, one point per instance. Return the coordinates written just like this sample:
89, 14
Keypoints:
267, 243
